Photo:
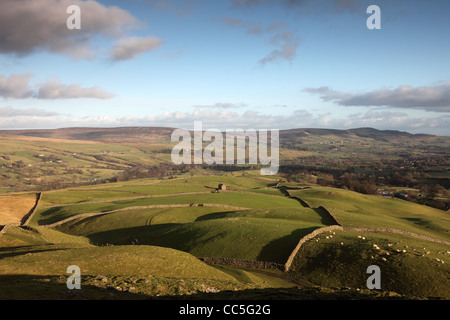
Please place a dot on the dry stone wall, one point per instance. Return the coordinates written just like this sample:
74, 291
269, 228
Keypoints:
244, 263
316, 232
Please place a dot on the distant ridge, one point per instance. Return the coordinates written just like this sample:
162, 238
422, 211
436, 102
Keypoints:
120, 133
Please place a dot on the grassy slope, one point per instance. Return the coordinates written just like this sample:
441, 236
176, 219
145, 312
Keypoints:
14, 207
33, 265
52, 252
55, 214
268, 231
414, 272
353, 209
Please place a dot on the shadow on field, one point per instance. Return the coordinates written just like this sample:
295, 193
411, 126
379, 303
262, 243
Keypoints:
9, 252
33, 287
214, 215
48, 216
325, 218
278, 250
284, 191
126, 236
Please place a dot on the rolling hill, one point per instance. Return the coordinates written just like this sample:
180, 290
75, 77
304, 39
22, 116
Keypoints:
177, 229
111, 201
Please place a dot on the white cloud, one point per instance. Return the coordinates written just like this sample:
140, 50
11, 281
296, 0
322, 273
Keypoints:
9, 112
28, 26
18, 86
15, 86
221, 105
226, 119
128, 48
56, 90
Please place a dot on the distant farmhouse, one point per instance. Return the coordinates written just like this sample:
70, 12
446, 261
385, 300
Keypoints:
221, 187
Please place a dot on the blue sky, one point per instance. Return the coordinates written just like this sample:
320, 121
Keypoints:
231, 63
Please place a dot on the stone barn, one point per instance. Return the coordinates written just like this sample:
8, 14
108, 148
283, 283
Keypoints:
222, 187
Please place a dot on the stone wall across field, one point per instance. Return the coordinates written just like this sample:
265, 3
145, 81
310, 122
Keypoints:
397, 231
26, 219
243, 263
309, 236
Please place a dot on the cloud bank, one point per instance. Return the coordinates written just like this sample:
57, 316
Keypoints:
226, 119
429, 98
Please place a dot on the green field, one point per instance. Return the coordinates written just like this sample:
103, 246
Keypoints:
421, 270
153, 250
353, 209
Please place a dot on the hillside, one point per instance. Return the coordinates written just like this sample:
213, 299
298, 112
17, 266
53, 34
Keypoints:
111, 201
246, 239
36, 160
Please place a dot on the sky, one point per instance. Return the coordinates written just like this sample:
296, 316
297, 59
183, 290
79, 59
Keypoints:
260, 64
